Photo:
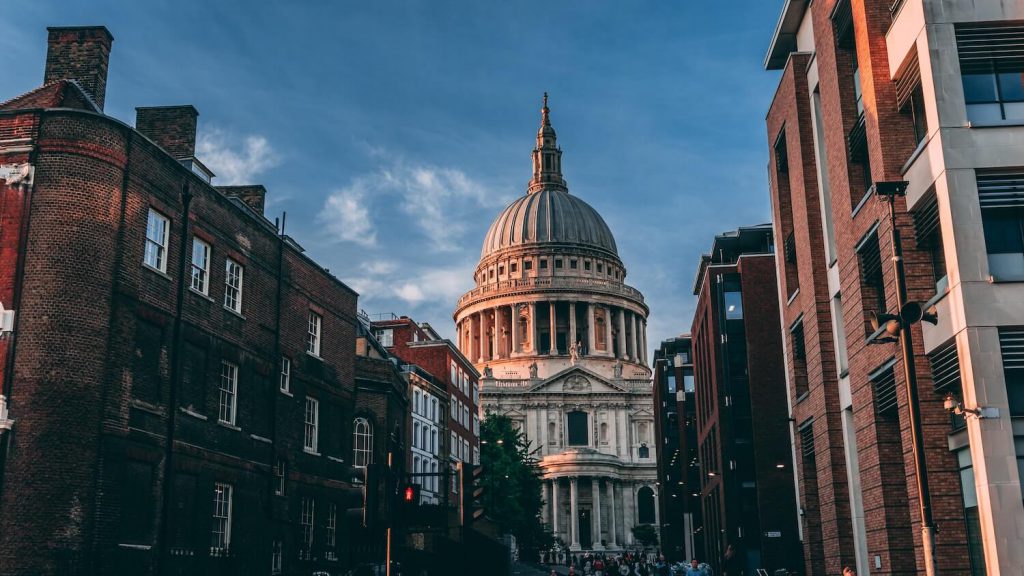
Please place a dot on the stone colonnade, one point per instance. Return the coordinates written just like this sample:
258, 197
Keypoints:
510, 330
608, 504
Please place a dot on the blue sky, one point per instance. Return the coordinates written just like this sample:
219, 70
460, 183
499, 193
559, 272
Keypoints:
393, 132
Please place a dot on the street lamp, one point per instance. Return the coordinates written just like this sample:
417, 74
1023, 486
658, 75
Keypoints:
889, 328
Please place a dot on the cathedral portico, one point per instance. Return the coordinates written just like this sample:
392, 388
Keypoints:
560, 339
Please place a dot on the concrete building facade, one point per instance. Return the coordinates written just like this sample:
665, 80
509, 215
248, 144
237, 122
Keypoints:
561, 342
926, 92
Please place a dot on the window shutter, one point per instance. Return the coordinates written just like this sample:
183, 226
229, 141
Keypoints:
842, 24
1011, 344
945, 364
1001, 189
883, 380
908, 77
980, 45
870, 258
807, 440
926, 222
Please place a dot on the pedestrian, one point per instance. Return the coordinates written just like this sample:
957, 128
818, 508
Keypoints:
732, 563
694, 569
598, 567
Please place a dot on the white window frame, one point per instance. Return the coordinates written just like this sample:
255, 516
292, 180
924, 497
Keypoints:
280, 473
276, 557
311, 436
362, 443
234, 275
158, 229
306, 519
314, 329
228, 398
220, 538
200, 274
285, 383
331, 529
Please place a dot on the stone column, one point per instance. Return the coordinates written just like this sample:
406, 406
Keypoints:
590, 329
622, 334
481, 338
496, 345
634, 341
546, 513
554, 328
533, 328
514, 328
595, 494
612, 543
554, 506
643, 337
571, 337
574, 520
657, 512
608, 331
628, 511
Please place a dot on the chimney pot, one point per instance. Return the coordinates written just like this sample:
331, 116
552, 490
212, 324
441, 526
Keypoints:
173, 128
80, 53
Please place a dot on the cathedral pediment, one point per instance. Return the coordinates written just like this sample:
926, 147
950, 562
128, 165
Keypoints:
577, 380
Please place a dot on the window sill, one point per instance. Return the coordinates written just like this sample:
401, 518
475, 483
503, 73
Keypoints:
262, 439
915, 154
862, 203
311, 355
994, 124
147, 407
135, 546
228, 425
1005, 280
803, 396
157, 271
286, 393
192, 413
311, 452
336, 459
202, 295
793, 297
233, 311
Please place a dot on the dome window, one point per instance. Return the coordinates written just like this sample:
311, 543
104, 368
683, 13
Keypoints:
513, 267
501, 270
586, 265
543, 264
572, 264
558, 263
600, 268
528, 265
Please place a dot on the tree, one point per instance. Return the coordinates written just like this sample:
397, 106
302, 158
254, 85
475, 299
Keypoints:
512, 484
646, 535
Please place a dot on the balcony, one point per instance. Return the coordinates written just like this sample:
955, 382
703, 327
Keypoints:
522, 285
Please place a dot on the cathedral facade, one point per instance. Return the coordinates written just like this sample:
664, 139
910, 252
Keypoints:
560, 339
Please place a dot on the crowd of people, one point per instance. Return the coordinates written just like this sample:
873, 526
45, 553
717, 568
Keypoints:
632, 564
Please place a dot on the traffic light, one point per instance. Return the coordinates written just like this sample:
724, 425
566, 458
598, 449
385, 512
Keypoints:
471, 483
411, 494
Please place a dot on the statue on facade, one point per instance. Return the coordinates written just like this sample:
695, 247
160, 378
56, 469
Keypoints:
574, 353
488, 373
533, 371
618, 368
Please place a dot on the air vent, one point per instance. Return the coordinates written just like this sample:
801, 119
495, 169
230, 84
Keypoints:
1001, 189
926, 222
807, 440
945, 364
908, 77
982, 45
1011, 343
883, 381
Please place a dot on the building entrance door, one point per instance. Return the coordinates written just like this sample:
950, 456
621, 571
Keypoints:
586, 540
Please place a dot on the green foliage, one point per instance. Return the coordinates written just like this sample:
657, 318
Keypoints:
512, 484
646, 534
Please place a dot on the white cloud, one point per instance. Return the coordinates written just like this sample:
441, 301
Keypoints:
234, 160
346, 215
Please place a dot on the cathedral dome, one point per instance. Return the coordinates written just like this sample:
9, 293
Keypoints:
548, 216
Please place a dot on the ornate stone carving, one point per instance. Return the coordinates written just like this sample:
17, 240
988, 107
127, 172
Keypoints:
576, 383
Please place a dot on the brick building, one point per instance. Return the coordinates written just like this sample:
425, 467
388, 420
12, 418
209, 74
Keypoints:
926, 92
675, 428
743, 433
178, 380
443, 365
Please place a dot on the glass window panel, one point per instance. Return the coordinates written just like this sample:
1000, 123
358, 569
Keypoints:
1002, 232
1011, 86
733, 306
1013, 110
980, 113
979, 88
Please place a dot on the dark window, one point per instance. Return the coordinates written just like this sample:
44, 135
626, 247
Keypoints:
528, 265
513, 267
600, 268
883, 384
586, 265
733, 306
137, 504
1011, 343
644, 451
572, 264
992, 70
543, 263
577, 423
501, 270
796, 335
871, 280
671, 383
193, 377
929, 236
781, 154
687, 380
146, 365
645, 505
1001, 194
558, 262
915, 109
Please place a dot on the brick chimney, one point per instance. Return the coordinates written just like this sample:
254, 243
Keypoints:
254, 195
173, 128
80, 53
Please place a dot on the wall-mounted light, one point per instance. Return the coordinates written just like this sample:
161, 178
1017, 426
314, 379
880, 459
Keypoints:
954, 405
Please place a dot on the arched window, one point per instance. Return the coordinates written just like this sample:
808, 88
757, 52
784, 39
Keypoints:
644, 451
641, 431
604, 433
362, 444
645, 505
577, 424
552, 434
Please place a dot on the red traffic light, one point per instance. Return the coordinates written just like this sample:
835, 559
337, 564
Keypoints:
409, 494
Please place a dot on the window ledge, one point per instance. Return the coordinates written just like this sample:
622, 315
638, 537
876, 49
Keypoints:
793, 297
228, 425
311, 355
994, 124
135, 546
844, 373
147, 407
233, 311
192, 413
157, 271
286, 393
336, 459
311, 452
259, 438
863, 202
803, 396
995, 280
202, 295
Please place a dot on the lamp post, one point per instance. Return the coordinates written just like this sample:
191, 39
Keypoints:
910, 313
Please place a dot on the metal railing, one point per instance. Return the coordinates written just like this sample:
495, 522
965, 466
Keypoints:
553, 283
